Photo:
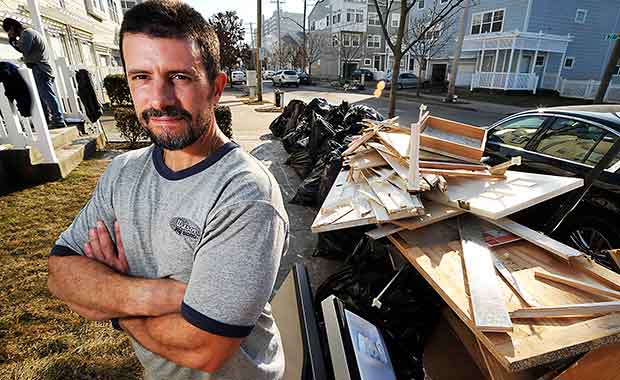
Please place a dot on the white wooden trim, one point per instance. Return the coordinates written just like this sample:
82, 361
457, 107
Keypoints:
583, 286
585, 309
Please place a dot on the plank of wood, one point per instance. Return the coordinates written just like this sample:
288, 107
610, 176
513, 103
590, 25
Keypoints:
455, 127
450, 149
433, 213
487, 301
398, 165
461, 173
392, 198
599, 364
413, 177
366, 160
514, 284
561, 250
581, 285
451, 165
396, 142
383, 230
496, 198
575, 310
358, 142
586, 265
436, 255
501, 168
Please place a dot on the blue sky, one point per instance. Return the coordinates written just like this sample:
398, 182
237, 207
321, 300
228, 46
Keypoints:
246, 9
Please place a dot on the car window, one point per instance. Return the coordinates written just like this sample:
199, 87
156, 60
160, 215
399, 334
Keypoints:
290, 72
600, 149
517, 132
570, 139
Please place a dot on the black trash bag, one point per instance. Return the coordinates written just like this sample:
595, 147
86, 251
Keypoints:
301, 162
320, 132
337, 114
298, 138
307, 191
320, 106
355, 115
333, 165
292, 111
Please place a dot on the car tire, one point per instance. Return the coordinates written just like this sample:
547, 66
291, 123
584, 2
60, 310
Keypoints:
400, 86
590, 235
296, 85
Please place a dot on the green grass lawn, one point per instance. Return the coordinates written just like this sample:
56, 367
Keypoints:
40, 337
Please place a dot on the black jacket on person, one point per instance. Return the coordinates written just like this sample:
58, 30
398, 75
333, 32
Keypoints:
15, 88
86, 92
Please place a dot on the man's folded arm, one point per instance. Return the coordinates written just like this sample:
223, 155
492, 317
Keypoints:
97, 292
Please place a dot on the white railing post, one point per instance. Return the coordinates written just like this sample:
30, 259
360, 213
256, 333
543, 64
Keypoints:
43, 139
67, 76
14, 132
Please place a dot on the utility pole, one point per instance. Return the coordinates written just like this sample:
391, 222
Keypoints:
457, 52
259, 68
279, 31
609, 70
304, 56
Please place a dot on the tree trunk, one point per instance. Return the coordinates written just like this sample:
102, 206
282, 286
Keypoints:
609, 70
394, 84
420, 80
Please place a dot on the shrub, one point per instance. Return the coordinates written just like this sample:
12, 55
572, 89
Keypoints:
118, 90
128, 124
223, 117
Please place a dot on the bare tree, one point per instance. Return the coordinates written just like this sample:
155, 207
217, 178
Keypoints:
405, 37
315, 44
432, 42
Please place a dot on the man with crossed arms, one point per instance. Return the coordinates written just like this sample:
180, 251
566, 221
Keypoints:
203, 224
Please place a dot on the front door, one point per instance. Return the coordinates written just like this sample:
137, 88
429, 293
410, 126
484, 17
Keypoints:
348, 68
438, 75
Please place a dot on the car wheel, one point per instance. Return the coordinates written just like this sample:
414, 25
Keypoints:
400, 86
592, 236
296, 85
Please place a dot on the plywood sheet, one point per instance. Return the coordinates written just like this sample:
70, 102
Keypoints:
435, 252
433, 213
599, 364
496, 198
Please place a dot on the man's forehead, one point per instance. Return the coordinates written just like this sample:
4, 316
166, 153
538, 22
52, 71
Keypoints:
142, 49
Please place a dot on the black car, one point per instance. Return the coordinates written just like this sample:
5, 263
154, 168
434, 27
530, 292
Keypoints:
303, 77
567, 141
357, 74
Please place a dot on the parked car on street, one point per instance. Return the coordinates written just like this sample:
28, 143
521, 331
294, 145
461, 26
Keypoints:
357, 74
285, 77
237, 77
405, 80
567, 141
268, 74
304, 78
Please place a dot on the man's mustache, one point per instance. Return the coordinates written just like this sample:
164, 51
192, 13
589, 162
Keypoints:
171, 111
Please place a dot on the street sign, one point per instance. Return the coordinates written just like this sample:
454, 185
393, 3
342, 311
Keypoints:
613, 36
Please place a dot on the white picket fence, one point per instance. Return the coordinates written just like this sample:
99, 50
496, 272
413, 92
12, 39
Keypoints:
586, 89
21, 132
504, 81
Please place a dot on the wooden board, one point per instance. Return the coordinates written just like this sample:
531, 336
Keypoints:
433, 213
487, 301
496, 198
383, 230
366, 160
600, 364
396, 142
453, 139
436, 253
581, 285
562, 311
559, 249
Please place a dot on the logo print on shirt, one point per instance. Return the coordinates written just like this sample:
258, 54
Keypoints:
185, 227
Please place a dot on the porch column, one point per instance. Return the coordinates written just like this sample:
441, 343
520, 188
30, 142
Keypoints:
557, 80
519, 61
496, 60
512, 52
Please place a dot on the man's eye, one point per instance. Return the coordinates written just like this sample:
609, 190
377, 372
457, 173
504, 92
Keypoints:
139, 77
180, 77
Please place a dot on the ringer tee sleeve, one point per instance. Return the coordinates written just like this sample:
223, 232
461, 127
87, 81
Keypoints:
235, 268
99, 207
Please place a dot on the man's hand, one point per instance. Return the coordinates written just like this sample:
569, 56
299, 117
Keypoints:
100, 247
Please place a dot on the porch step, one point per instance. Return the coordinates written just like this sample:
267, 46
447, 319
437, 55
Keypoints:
60, 137
71, 155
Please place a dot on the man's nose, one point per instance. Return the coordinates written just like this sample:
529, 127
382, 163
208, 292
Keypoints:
162, 94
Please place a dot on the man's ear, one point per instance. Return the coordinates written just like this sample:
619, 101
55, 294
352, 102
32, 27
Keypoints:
218, 86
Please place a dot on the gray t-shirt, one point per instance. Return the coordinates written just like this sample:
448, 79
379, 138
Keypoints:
32, 45
220, 226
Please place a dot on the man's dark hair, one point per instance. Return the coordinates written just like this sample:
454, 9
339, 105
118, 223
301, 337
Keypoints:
174, 19
10, 23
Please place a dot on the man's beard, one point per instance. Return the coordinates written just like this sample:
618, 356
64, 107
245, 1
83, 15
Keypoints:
169, 141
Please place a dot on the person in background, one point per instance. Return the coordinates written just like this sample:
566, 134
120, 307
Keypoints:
31, 44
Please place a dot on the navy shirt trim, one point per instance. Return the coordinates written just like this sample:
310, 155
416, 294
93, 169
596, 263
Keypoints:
61, 250
211, 325
169, 174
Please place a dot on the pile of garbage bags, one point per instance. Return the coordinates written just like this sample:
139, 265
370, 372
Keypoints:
315, 135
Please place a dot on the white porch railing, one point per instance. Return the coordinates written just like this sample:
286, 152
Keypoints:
586, 89
17, 130
505, 81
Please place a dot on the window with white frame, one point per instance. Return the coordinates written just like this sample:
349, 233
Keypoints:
96, 8
313, 25
420, 4
373, 18
395, 20
580, 16
335, 40
487, 22
327, 21
367, 62
350, 15
374, 41
359, 16
540, 60
336, 18
346, 39
434, 32
569, 62
355, 40
113, 10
